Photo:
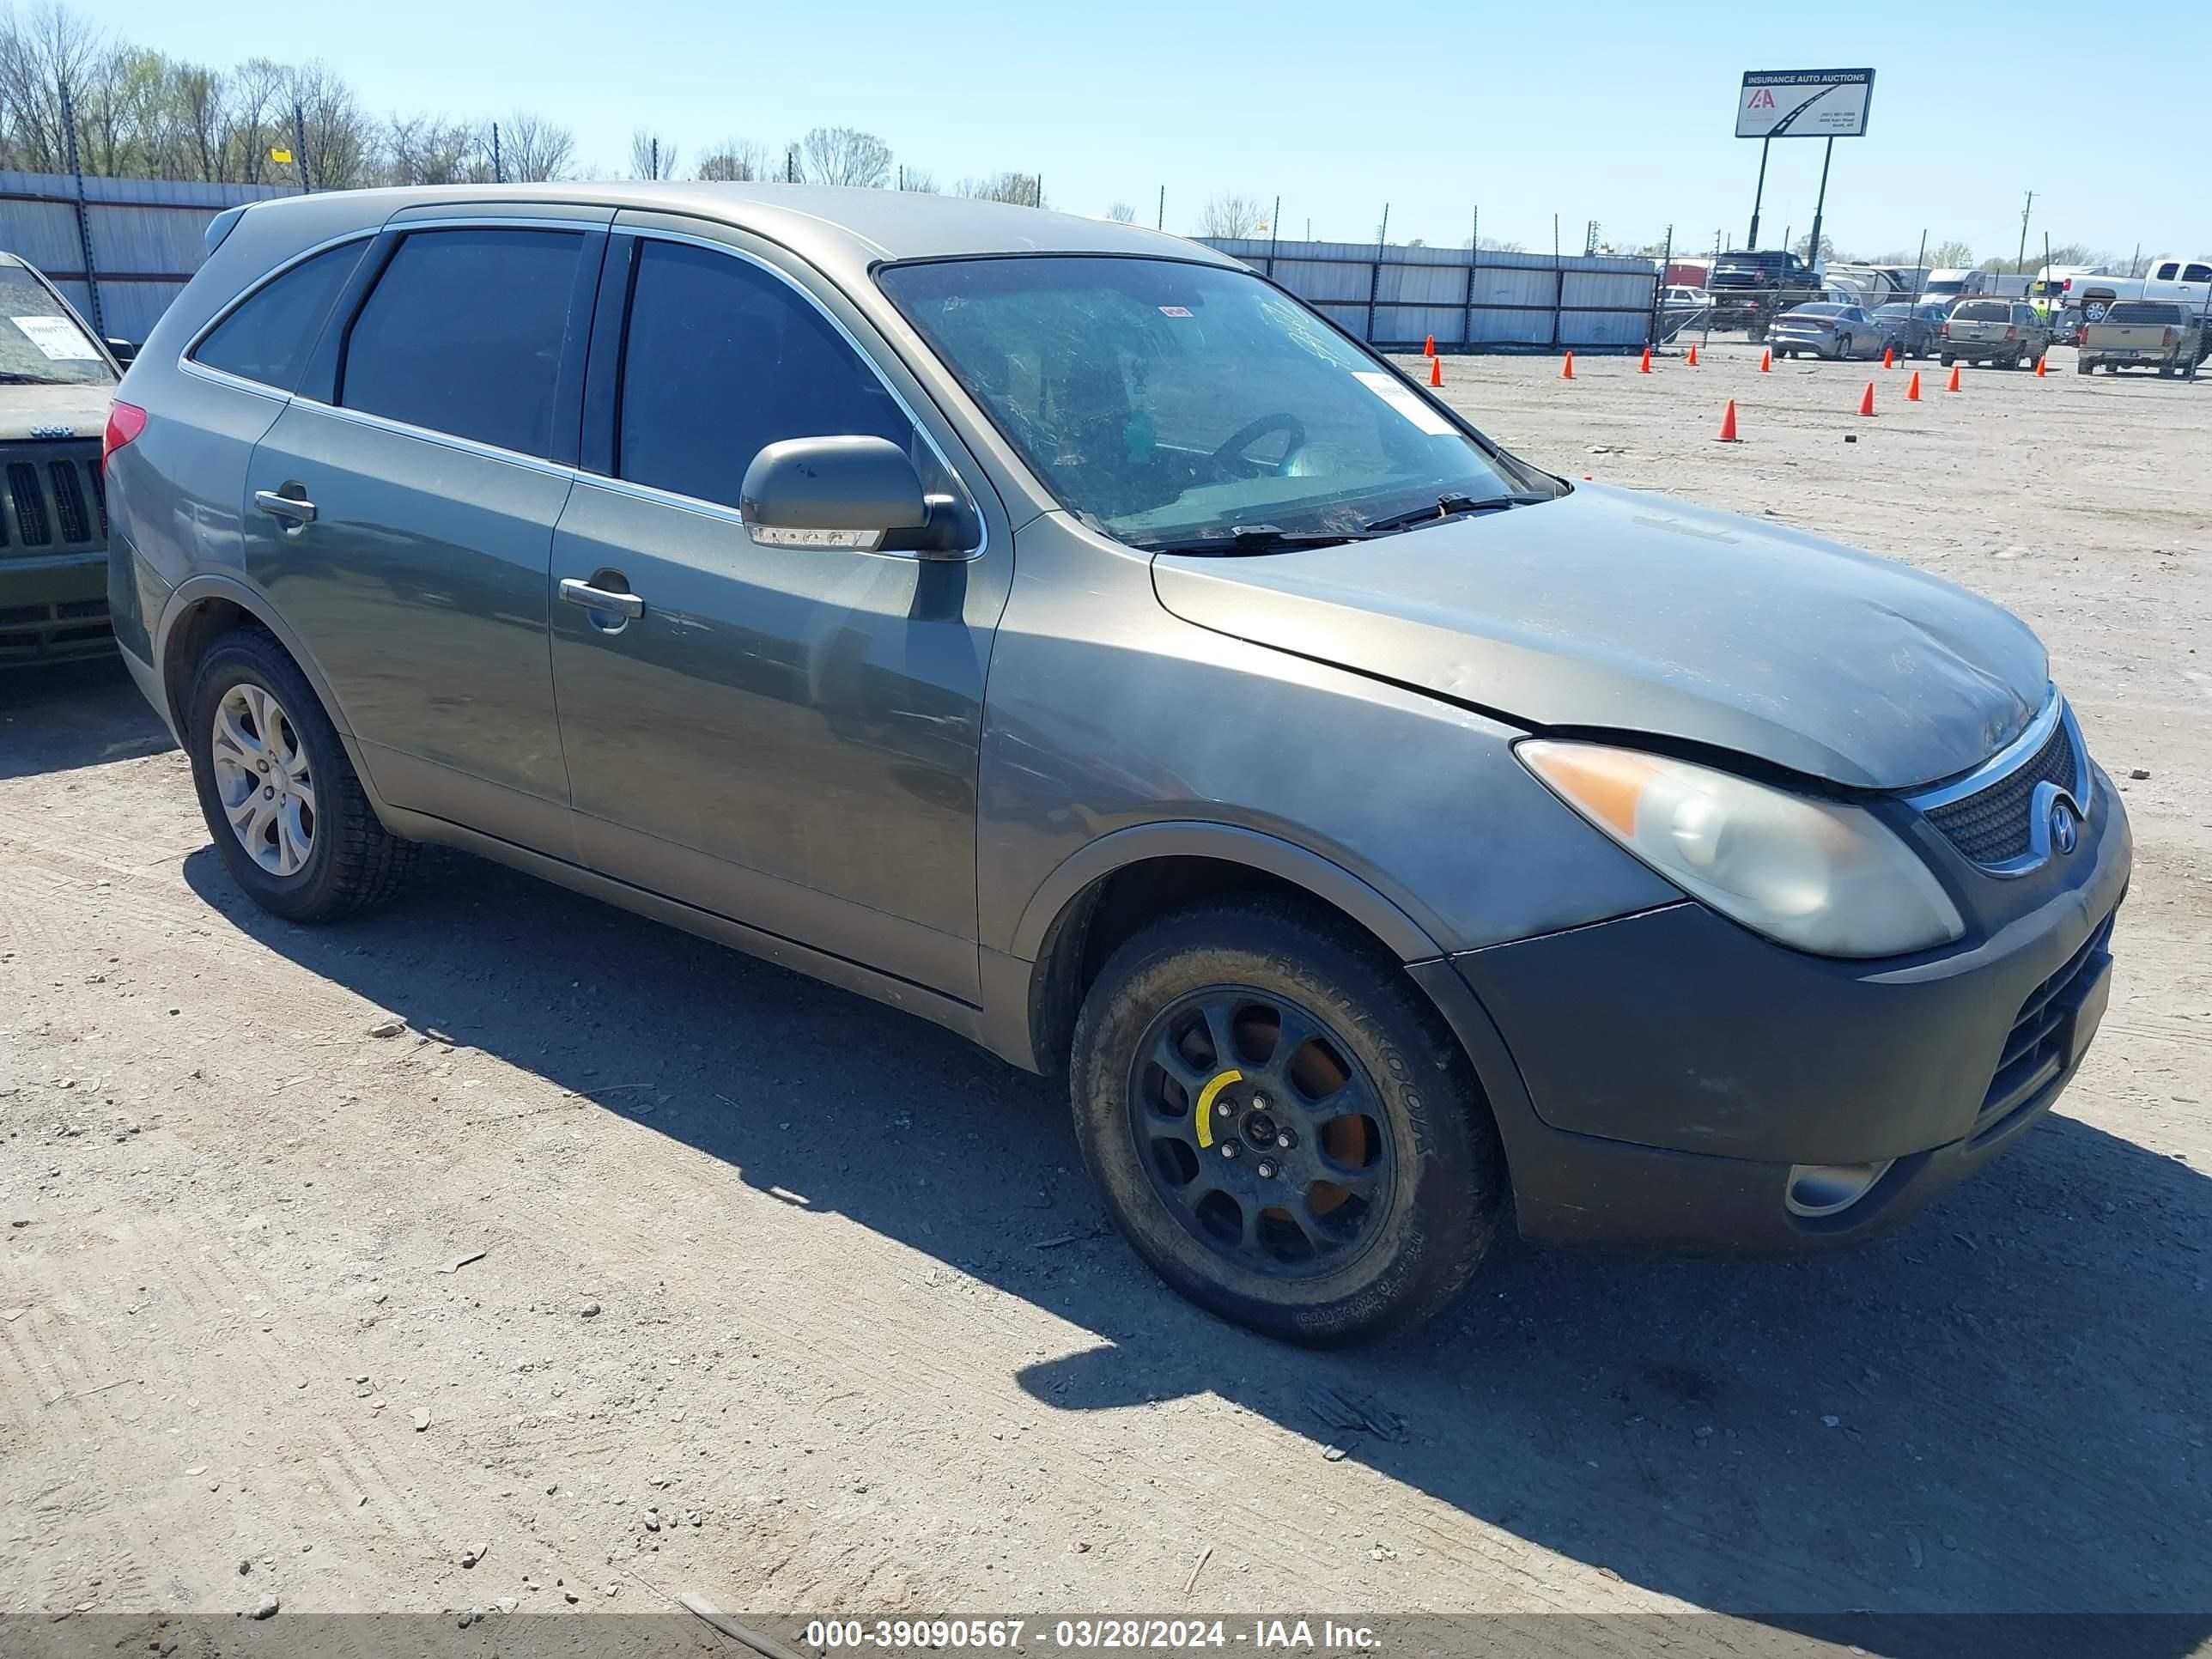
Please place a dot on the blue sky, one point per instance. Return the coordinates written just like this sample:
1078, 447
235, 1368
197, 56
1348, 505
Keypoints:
1617, 113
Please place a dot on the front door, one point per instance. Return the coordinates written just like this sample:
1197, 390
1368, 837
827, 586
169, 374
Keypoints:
786, 736
405, 529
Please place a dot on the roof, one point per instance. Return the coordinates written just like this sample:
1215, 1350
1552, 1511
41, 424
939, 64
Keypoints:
829, 225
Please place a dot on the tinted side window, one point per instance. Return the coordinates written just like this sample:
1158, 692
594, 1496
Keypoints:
2197, 273
462, 334
268, 338
721, 359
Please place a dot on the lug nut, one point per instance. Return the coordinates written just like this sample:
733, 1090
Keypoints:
1223, 1110
1267, 1167
1258, 1102
1286, 1141
1229, 1149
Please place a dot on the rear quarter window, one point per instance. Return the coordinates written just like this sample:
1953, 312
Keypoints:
463, 334
268, 337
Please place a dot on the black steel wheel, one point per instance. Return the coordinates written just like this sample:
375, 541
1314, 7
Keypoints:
1282, 1125
1262, 1136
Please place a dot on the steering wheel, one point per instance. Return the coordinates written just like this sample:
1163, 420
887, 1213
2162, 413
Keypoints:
1233, 447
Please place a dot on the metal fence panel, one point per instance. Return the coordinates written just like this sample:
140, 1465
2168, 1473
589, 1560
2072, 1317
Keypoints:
1400, 296
147, 238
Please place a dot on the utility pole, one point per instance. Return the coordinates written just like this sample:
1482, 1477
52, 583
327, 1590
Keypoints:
1920, 268
498, 174
300, 149
1161, 223
2020, 265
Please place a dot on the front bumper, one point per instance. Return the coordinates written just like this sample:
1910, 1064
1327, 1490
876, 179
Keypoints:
1819, 345
54, 607
1656, 1077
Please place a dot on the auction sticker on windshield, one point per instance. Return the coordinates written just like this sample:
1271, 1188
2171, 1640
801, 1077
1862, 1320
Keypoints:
56, 337
1403, 399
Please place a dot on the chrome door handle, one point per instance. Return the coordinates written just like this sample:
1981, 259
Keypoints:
598, 598
294, 509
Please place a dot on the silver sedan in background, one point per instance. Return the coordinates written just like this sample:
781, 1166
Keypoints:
1824, 329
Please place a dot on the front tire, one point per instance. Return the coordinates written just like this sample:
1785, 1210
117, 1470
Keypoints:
288, 816
1282, 1126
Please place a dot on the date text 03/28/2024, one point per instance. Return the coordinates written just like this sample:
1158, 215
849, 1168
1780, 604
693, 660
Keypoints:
1092, 1634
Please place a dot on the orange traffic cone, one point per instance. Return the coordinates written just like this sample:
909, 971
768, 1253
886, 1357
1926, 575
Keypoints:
1692, 358
1644, 368
1953, 386
1913, 389
1889, 356
1429, 347
1728, 424
2042, 365
1436, 370
1567, 367
1767, 362
1866, 401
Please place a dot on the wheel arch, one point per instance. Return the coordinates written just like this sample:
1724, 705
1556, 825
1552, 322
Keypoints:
202, 610
1106, 890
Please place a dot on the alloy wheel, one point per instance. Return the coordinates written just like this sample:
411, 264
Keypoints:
262, 779
1265, 1140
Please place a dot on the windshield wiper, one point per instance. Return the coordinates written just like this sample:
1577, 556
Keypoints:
1449, 506
1257, 538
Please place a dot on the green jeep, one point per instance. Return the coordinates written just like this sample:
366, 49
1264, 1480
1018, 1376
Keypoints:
56, 380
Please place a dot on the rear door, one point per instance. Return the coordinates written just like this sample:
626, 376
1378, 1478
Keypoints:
786, 736
400, 512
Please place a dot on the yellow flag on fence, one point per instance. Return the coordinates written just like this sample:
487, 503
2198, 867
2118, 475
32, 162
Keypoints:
281, 157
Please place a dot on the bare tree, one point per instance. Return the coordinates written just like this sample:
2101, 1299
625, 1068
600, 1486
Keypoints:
735, 160
54, 52
651, 157
429, 149
1122, 214
1022, 188
533, 150
844, 155
1951, 256
1232, 216
918, 179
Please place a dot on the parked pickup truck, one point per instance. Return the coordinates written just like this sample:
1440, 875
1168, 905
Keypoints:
2161, 334
2004, 333
1750, 288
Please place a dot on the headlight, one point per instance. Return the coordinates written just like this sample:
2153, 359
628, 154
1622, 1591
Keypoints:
1819, 877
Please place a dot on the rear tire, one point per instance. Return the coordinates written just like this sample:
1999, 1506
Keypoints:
1175, 1058
1947, 360
330, 860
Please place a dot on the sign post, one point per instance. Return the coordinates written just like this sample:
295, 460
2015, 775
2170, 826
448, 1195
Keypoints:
1829, 103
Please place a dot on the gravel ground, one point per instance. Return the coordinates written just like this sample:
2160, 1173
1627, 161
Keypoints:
623, 1266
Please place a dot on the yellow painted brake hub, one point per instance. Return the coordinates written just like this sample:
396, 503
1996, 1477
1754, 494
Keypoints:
1206, 1097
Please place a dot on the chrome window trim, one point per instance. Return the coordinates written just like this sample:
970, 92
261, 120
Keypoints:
2022, 750
718, 510
452, 440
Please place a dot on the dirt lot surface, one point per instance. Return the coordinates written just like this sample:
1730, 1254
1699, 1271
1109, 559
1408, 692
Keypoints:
771, 1293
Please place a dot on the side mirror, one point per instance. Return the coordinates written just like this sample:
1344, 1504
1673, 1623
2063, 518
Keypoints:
849, 492
123, 351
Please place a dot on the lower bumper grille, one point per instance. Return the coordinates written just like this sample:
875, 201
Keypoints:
2037, 1048
39, 632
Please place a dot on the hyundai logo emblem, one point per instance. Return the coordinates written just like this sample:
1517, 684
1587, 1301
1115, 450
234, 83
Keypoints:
2063, 835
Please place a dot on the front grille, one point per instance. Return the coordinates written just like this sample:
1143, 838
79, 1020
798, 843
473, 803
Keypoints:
54, 500
2036, 1049
35, 633
1991, 826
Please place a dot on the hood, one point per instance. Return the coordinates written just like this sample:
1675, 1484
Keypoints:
1614, 610
53, 411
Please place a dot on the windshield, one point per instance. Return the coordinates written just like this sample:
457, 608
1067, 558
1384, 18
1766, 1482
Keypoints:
40, 344
1164, 401
1814, 310
2142, 311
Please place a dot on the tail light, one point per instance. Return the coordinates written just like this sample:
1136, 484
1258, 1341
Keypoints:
124, 422
2012, 334
2172, 336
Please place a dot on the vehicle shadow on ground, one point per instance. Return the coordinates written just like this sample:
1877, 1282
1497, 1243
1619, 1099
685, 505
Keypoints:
2000, 1409
56, 716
